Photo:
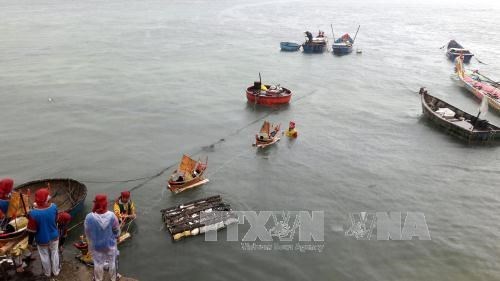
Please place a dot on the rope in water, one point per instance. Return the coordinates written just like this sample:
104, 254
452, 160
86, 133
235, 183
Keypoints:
147, 179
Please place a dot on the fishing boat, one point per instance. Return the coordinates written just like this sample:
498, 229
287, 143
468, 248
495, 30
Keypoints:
343, 45
454, 50
316, 44
478, 85
458, 123
197, 217
289, 46
188, 175
69, 196
268, 135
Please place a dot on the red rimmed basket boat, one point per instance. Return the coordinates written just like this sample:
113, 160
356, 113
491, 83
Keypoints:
268, 94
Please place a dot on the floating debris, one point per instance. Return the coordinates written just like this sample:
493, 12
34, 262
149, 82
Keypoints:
199, 216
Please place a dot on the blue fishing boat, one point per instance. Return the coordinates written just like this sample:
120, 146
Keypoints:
454, 50
289, 46
316, 44
343, 45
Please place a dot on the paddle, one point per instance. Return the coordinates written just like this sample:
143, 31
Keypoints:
480, 61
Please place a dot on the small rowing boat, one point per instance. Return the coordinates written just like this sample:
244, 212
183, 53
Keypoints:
454, 50
458, 123
289, 46
188, 175
268, 135
344, 44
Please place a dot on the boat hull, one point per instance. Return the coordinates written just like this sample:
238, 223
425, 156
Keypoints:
344, 50
467, 135
313, 48
256, 98
479, 94
261, 144
289, 46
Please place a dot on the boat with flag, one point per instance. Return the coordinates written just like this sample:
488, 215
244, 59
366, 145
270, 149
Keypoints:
267, 94
454, 50
457, 122
315, 44
344, 44
478, 85
268, 135
188, 175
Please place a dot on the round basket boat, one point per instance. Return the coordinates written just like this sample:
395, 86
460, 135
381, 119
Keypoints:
68, 194
268, 97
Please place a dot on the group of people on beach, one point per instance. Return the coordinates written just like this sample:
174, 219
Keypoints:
47, 228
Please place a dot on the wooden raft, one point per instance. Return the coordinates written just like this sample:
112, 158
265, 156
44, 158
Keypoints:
199, 216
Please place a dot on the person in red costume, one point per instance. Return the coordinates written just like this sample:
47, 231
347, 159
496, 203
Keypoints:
42, 228
6, 186
63, 220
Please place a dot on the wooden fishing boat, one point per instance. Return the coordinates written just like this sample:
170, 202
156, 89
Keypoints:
477, 86
197, 217
188, 175
268, 94
316, 44
268, 135
344, 44
456, 122
289, 46
454, 50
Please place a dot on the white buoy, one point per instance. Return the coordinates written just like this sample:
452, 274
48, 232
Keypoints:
51, 100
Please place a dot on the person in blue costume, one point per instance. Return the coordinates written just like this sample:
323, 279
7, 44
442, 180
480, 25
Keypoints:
42, 228
102, 230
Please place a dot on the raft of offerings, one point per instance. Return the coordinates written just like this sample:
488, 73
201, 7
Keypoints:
197, 217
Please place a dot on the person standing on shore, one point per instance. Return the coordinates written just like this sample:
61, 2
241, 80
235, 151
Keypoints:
102, 230
42, 227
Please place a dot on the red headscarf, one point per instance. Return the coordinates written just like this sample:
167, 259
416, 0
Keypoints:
63, 218
6, 186
125, 194
42, 197
100, 204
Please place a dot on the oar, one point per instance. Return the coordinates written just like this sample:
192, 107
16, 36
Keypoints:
333, 35
443, 46
480, 61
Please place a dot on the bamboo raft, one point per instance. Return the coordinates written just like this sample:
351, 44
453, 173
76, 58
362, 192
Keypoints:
199, 216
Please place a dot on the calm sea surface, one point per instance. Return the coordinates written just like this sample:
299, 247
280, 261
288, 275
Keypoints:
102, 91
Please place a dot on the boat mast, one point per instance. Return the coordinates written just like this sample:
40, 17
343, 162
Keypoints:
333, 35
356, 34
